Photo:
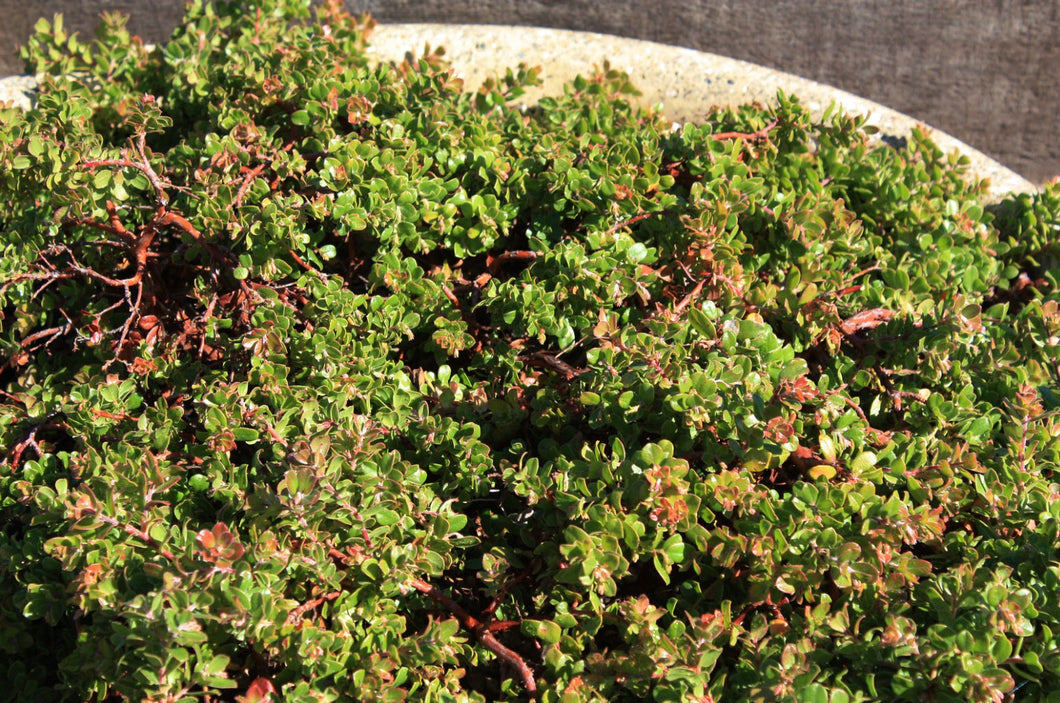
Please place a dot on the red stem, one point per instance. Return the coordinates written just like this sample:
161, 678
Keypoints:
749, 136
482, 632
310, 605
502, 259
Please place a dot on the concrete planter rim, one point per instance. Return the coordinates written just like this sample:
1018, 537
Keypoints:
685, 82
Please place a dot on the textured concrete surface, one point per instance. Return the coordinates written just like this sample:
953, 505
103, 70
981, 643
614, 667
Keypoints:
683, 81
982, 71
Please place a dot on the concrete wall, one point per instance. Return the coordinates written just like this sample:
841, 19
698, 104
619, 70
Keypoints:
984, 71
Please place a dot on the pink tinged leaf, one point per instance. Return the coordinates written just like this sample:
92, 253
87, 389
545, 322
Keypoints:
867, 320
260, 691
205, 538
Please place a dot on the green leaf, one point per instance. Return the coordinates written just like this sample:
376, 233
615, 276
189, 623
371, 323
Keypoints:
862, 463
245, 434
334, 366
674, 548
215, 666
822, 471
383, 516
662, 569
814, 693
701, 322
545, 630
637, 253
919, 567
977, 428
838, 695
447, 629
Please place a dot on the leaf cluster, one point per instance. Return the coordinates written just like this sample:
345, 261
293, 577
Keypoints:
329, 380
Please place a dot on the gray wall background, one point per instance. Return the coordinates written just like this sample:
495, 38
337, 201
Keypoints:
986, 71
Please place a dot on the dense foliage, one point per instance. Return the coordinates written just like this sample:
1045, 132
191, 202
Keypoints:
327, 380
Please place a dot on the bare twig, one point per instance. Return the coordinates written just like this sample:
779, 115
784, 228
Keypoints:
48, 334
482, 632
134, 314
30, 442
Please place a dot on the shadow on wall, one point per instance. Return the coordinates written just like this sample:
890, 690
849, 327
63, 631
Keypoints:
984, 72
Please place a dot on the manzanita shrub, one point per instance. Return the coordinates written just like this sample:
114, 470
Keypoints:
327, 380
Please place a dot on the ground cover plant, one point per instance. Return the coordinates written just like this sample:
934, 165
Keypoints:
325, 380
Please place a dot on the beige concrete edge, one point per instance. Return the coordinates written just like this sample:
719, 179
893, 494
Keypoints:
685, 82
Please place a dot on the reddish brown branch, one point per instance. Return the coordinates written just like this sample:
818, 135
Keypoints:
850, 279
304, 608
865, 320
895, 394
451, 296
747, 136
855, 407
113, 227
502, 593
692, 295
496, 262
547, 360
247, 181
110, 415
502, 625
144, 168
168, 217
30, 442
625, 223
482, 632
139, 534
301, 262
51, 333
